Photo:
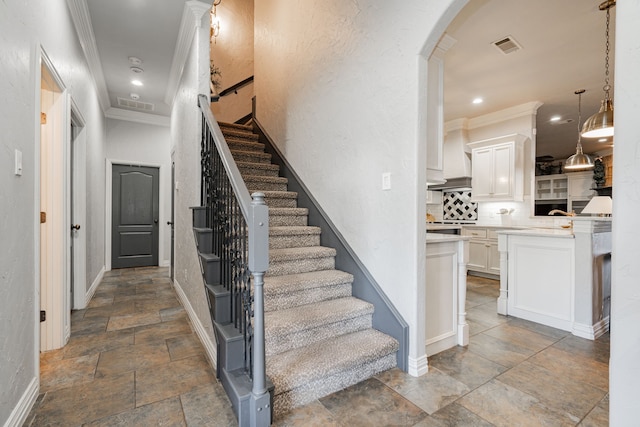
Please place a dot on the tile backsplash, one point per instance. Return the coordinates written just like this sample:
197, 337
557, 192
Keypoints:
457, 205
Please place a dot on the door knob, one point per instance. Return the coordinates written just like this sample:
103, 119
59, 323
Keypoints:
75, 227
169, 223
155, 221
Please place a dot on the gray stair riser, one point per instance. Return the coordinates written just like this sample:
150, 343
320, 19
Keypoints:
219, 304
295, 241
251, 157
317, 388
211, 270
204, 240
199, 216
248, 171
265, 186
305, 296
279, 268
244, 145
229, 350
280, 343
287, 220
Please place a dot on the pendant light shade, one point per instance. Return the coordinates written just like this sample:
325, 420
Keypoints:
601, 124
579, 161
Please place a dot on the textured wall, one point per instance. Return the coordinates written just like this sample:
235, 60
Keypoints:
337, 87
625, 283
25, 26
233, 54
185, 138
149, 144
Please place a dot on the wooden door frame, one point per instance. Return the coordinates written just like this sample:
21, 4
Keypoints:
109, 205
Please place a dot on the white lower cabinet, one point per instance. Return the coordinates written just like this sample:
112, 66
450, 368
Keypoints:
484, 256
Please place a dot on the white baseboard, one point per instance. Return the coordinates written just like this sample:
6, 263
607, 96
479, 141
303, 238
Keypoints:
21, 410
94, 286
165, 263
209, 345
418, 367
591, 332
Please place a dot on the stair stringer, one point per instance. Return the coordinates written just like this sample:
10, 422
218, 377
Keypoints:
386, 317
229, 342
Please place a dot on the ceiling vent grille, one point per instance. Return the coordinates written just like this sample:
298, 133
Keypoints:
507, 45
136, 105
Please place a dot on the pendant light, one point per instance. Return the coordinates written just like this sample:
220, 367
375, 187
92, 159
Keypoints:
579, 161
601, 124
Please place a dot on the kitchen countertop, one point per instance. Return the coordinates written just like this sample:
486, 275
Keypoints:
432, 226
439, 238
541, 232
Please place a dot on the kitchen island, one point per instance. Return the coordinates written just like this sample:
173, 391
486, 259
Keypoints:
445, 321
558, 277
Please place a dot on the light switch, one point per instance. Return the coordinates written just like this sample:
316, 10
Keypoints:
18, 163
386, 181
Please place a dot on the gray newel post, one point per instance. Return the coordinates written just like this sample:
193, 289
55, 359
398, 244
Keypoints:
258, 264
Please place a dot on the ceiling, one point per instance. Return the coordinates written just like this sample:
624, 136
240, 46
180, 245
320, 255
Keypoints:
563, 47
146, 29
562, 51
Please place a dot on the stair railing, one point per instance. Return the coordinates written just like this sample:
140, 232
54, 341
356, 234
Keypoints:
240, 224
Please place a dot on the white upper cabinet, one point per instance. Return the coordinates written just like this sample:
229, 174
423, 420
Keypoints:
497, 169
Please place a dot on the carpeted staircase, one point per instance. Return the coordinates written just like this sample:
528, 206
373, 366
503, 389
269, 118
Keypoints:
319, 338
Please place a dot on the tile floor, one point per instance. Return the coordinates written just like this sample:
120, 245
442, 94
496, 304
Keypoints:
133, 359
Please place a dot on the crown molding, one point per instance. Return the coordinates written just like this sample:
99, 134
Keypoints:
191, 19
522, 110
456, 124
82, 22
137, 117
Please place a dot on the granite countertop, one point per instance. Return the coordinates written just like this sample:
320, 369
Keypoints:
439, 238
431, 226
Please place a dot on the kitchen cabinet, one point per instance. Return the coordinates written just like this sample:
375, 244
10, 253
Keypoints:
579, 189
497, 169
484, 256
551, 187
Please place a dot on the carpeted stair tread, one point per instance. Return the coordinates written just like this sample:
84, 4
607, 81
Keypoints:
284, 199
316, 279
237, 133
288, 211
243, 144
283, 322
246, 128
294, 230
265, 179
307, 364
293, 254
266, 167
250, 156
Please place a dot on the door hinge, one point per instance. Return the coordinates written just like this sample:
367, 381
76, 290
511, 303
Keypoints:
43, 118
43, 315
43, 217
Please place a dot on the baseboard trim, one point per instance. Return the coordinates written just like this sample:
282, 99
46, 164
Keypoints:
21, 410
94, 286
165, 263
591, 332
201, 332
417, 367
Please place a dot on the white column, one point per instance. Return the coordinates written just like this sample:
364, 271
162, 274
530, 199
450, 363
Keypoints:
502, 299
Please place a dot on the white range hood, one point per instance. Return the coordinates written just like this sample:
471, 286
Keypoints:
457, 157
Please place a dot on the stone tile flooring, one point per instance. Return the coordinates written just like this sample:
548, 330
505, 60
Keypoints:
133, 360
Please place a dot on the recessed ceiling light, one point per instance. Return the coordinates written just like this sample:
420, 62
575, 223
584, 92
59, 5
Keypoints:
478, 100
136, 82
555, 118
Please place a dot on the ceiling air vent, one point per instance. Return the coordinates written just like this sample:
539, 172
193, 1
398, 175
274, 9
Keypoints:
136, 105
507, 45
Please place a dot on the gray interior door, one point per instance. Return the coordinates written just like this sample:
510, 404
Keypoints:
134, 232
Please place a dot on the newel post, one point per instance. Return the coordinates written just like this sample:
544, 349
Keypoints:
258, 264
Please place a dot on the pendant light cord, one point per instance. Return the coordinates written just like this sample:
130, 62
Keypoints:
607, 87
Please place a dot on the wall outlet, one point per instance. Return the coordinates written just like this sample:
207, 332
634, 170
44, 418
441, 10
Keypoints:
386, 181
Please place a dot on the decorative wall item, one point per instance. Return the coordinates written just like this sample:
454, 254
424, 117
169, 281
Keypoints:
457, 205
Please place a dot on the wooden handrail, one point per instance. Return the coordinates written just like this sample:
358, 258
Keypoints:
235, 87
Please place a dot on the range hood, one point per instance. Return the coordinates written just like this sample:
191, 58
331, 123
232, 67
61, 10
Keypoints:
456, 157
461, 183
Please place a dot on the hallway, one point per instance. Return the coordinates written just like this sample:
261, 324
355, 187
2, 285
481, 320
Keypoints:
133, 359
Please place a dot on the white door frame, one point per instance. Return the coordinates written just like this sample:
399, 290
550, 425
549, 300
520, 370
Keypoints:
53, 283
79, 207
109, 203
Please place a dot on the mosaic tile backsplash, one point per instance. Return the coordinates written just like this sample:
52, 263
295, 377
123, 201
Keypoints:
457, 205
